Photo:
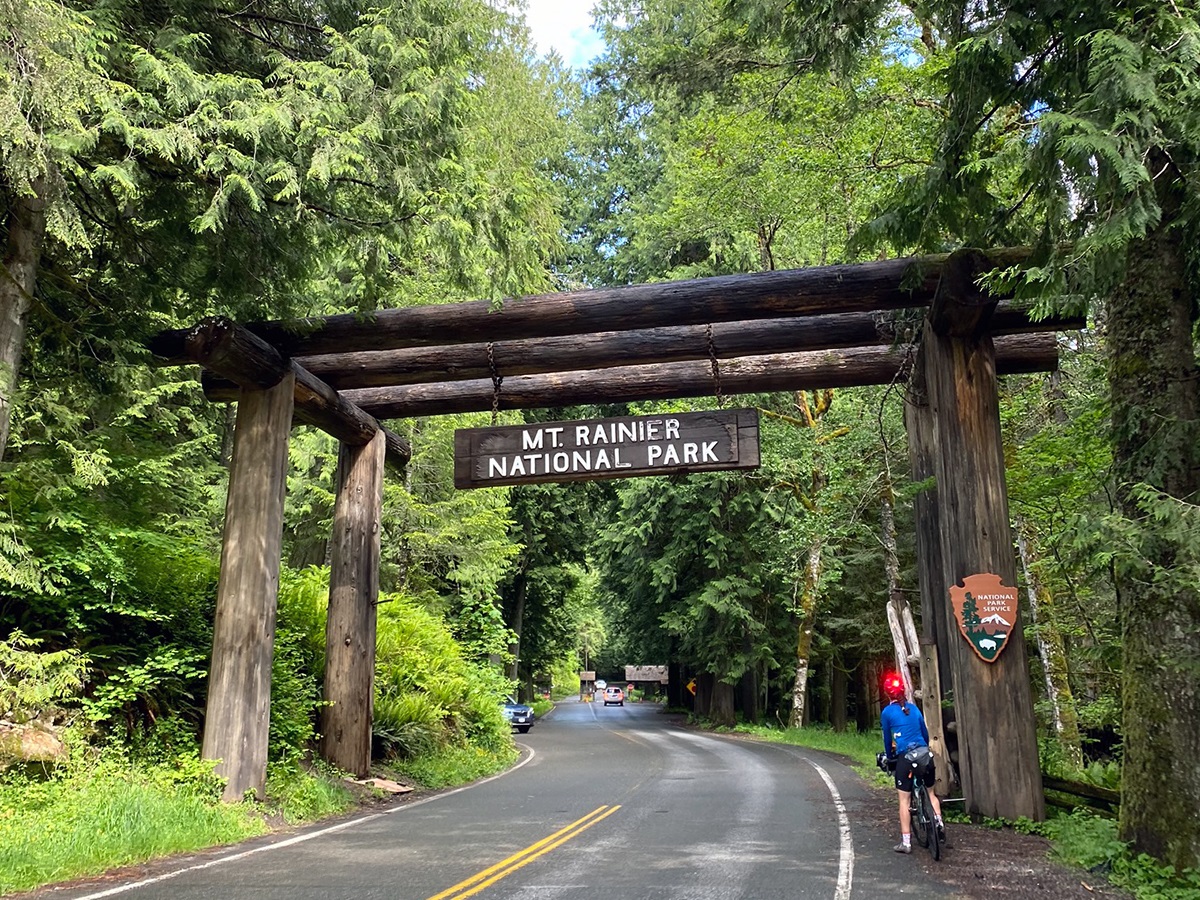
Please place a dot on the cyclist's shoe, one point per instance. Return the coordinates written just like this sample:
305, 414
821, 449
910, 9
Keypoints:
941, 829
903, 848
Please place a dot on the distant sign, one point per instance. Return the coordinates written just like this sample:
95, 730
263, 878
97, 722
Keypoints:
646, 673
591, 449
986, 611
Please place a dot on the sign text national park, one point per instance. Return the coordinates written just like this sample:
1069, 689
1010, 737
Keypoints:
589, 449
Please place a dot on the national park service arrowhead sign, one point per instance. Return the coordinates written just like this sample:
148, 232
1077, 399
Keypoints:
986, 612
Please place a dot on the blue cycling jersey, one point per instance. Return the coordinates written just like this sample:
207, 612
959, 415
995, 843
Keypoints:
902, 730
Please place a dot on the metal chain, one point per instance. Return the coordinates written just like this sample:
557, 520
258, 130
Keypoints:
716, 369
497, 380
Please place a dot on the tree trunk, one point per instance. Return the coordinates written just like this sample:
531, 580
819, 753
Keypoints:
25, 223
518, 621
997, 736
703, 702
1051, 649
838, 684
722, 712
1155, 387
869, 700
238, 707
748, 684
805, 619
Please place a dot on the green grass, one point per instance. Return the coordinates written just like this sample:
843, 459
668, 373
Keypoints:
456, 765
301, 795
106, 817
860, 747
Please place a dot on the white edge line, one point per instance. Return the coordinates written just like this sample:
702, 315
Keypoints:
301, 838
846, 856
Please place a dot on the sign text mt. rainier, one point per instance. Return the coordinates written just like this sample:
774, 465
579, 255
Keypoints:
589, 449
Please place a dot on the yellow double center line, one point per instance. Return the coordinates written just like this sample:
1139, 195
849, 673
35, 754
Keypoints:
505, 867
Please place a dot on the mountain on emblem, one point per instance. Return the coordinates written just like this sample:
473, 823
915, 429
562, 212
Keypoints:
985, 609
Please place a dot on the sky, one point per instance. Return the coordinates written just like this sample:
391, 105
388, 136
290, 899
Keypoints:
565, 26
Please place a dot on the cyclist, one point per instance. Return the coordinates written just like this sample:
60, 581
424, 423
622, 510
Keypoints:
904, 730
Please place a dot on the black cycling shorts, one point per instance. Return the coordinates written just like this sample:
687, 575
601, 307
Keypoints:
913, 759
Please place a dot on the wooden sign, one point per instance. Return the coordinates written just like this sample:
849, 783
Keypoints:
986, 612
590, 449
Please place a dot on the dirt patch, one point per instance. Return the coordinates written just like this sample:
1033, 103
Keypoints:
982, 862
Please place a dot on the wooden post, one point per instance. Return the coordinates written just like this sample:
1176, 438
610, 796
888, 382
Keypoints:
931, 706
239, 685
922, 456
997, 743
934, 641
353, 593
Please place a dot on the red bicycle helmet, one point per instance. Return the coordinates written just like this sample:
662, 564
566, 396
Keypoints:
893, 686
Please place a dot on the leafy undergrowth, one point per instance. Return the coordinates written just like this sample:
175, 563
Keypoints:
1090, 842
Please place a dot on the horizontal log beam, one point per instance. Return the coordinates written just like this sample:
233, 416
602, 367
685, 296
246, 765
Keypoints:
778, 372
464, 362
603, 350
862, 287
245, 360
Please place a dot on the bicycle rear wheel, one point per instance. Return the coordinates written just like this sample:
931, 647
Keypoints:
937, 838
921, 816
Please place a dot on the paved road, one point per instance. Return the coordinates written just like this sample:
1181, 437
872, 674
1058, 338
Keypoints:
610, 803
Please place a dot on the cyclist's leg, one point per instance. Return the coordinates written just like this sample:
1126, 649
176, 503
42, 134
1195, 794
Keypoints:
904, 784
934, 802
905, 803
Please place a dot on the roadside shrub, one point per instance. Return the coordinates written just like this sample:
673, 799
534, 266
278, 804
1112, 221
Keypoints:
36, 684
428, 696
298, 665
407, 725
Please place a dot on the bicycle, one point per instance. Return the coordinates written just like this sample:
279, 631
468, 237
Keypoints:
924, 827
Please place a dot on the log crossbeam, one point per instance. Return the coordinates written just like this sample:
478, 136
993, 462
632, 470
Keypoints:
245, 360
602, 350
776, 372
859, 287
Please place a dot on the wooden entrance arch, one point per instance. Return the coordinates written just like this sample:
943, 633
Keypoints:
787, 330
